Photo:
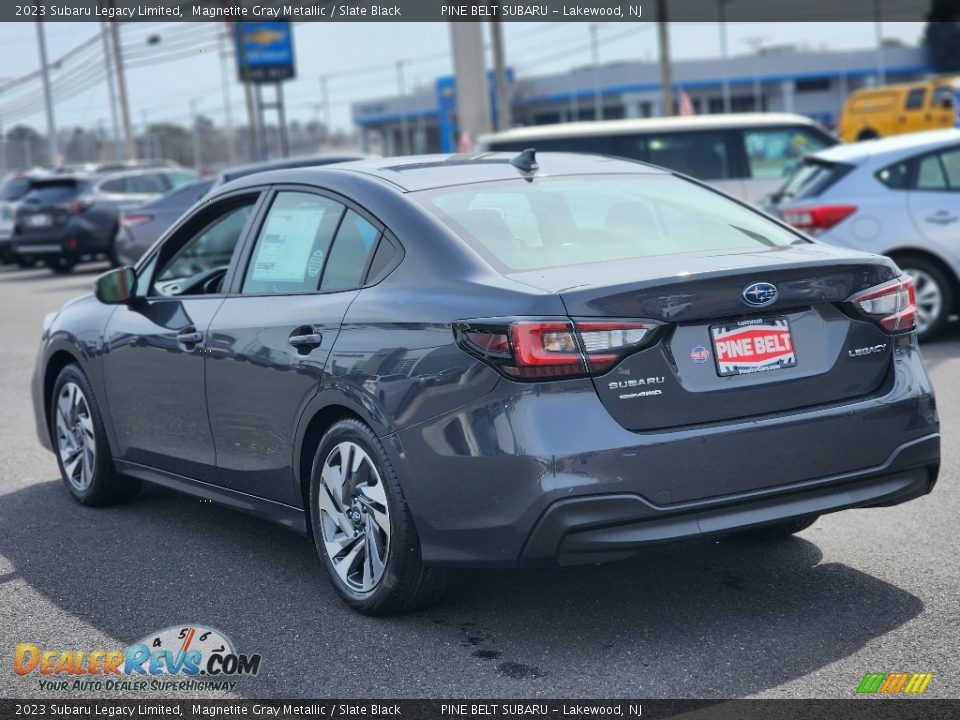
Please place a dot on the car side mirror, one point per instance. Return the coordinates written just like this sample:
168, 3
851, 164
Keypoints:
115, 287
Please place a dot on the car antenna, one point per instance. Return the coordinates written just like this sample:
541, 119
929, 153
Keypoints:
526, 161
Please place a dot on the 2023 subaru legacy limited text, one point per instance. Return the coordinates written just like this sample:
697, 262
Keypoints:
491, 361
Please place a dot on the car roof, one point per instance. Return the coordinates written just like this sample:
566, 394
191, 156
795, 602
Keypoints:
422, 172
889, 147
240, 171
617, 127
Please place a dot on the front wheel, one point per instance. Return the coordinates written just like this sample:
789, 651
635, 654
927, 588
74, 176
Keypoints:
83, 453
934, 294
362, 527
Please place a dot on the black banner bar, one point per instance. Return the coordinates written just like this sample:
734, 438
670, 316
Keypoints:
853, 709
464, 10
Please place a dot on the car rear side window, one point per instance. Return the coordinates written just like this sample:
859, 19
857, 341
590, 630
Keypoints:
147, 184
703, 155
356, 240
293, 243
775, 152
930, 174
553, 222
915, 99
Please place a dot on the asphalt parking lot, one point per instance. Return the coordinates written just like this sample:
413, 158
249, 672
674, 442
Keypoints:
866, 590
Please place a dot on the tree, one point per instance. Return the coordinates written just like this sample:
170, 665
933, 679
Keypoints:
942, 35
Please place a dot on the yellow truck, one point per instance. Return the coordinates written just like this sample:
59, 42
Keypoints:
895, 109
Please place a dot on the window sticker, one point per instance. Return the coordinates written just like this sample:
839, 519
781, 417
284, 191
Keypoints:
286, 245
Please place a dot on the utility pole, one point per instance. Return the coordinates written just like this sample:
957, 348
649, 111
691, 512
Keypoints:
722, 13
325, 104
227, 105
111, 90
878, 29
404, 129
595, 65
666, 70
130, 147
53, 150
195, 135
500, 75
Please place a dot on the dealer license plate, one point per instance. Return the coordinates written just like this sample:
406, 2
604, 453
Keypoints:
752, 346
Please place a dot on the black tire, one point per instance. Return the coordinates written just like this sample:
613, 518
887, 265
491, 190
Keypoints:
913, 265
25, 262
61, 264
406, 583
106, 486
779, 530
867, 135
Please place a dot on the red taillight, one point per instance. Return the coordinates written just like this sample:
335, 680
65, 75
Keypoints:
819, 218
76, 207
538, 349
893, 306
131, 219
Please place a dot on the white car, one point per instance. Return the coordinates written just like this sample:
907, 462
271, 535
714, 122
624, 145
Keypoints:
898, 196
747, 155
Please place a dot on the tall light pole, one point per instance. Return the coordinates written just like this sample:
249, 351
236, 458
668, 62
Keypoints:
878, 29
195, 135
404, 128
225, 90
666, 69
595, 65
130, 147
722, 13
111, 90
53, 150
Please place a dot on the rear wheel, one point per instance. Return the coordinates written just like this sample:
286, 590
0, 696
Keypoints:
25, 261
61, 264
81, 444
934, 294
867, 135
362, 527
778, 530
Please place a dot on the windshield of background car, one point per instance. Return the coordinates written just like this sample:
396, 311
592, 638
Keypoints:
554, 222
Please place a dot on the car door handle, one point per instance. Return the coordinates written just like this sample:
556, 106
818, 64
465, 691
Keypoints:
942, 217
305, 338
189, 336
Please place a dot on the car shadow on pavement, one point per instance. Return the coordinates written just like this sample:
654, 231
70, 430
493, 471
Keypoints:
713, 618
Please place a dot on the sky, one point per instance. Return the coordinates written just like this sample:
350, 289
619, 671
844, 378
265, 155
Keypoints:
358, 59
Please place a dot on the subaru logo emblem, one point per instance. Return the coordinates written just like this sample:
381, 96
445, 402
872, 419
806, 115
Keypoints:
759, 294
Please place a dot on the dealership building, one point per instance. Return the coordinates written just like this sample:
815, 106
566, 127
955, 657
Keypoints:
812, 83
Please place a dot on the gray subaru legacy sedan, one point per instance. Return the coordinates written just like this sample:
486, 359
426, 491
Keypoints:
491, 360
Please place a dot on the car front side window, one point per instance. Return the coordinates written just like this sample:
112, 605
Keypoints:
200, 264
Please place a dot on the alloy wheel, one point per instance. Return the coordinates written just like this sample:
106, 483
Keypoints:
76, 440
354, 517
929, 298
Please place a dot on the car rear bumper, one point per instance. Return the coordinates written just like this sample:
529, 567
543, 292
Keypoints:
609, 527
65, 241
481, 481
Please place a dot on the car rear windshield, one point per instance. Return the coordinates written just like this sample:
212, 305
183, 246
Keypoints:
53, 191
810, 179
554, 222
14, 188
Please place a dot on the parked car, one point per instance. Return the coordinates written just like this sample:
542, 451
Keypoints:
897, 196
99, 168
142, 225
12, 189
65, 219
492, 361
747, 155
875, 112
